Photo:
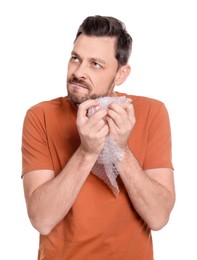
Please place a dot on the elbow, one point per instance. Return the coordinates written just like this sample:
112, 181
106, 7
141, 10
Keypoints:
44, 231
158, 224
42, 226
162, 219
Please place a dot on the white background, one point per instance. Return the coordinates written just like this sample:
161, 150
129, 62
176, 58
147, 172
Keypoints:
35, 42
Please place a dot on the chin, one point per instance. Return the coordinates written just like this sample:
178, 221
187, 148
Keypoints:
77, 100
80, 99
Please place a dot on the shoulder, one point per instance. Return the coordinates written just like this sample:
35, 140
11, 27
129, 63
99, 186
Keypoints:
147, 104
49, 106
147, 108
144, 102
49, 111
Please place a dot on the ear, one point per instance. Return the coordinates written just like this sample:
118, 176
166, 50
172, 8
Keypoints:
122, 74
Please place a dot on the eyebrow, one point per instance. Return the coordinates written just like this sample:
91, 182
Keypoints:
99, 60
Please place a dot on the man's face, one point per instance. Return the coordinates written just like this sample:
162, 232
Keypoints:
92, 68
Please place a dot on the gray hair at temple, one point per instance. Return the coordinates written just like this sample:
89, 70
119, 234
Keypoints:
101, 26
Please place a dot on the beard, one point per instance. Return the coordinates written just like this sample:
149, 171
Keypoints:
77, 99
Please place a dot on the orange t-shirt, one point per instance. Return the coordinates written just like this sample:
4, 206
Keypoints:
99, 225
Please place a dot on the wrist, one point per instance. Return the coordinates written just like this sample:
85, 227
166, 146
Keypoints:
87, 155
126, 151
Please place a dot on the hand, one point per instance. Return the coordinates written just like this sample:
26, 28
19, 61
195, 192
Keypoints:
121, 120
92, 130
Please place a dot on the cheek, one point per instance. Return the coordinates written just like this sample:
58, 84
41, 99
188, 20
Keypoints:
70, 74
106, 81
70, 69
100, 85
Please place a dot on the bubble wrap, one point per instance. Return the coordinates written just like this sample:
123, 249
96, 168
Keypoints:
107, 164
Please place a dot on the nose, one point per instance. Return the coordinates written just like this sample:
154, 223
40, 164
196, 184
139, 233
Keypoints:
81, 71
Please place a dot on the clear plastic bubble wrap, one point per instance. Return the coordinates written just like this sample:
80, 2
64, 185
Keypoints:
107, 164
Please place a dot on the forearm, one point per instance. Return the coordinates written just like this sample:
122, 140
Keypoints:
50, 202
152, 200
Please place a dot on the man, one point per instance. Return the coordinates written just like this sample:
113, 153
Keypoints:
75, 212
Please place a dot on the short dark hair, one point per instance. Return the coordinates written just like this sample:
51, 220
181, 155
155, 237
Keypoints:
101, 26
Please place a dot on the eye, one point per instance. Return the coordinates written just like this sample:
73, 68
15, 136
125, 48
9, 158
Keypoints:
96, 65
74, 58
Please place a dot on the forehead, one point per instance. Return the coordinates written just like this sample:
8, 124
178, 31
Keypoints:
92, 46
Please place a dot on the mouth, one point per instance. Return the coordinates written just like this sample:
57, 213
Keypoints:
77, 84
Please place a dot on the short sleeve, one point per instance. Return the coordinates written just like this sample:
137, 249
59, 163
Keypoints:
159, 145
35, 150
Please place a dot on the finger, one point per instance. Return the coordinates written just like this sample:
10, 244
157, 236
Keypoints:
128, 108
98, 116
110, 123
103, 131
116, 107
117, 114
83, 107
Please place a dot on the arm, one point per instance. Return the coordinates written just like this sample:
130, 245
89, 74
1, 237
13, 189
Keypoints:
151, 192
49, 198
